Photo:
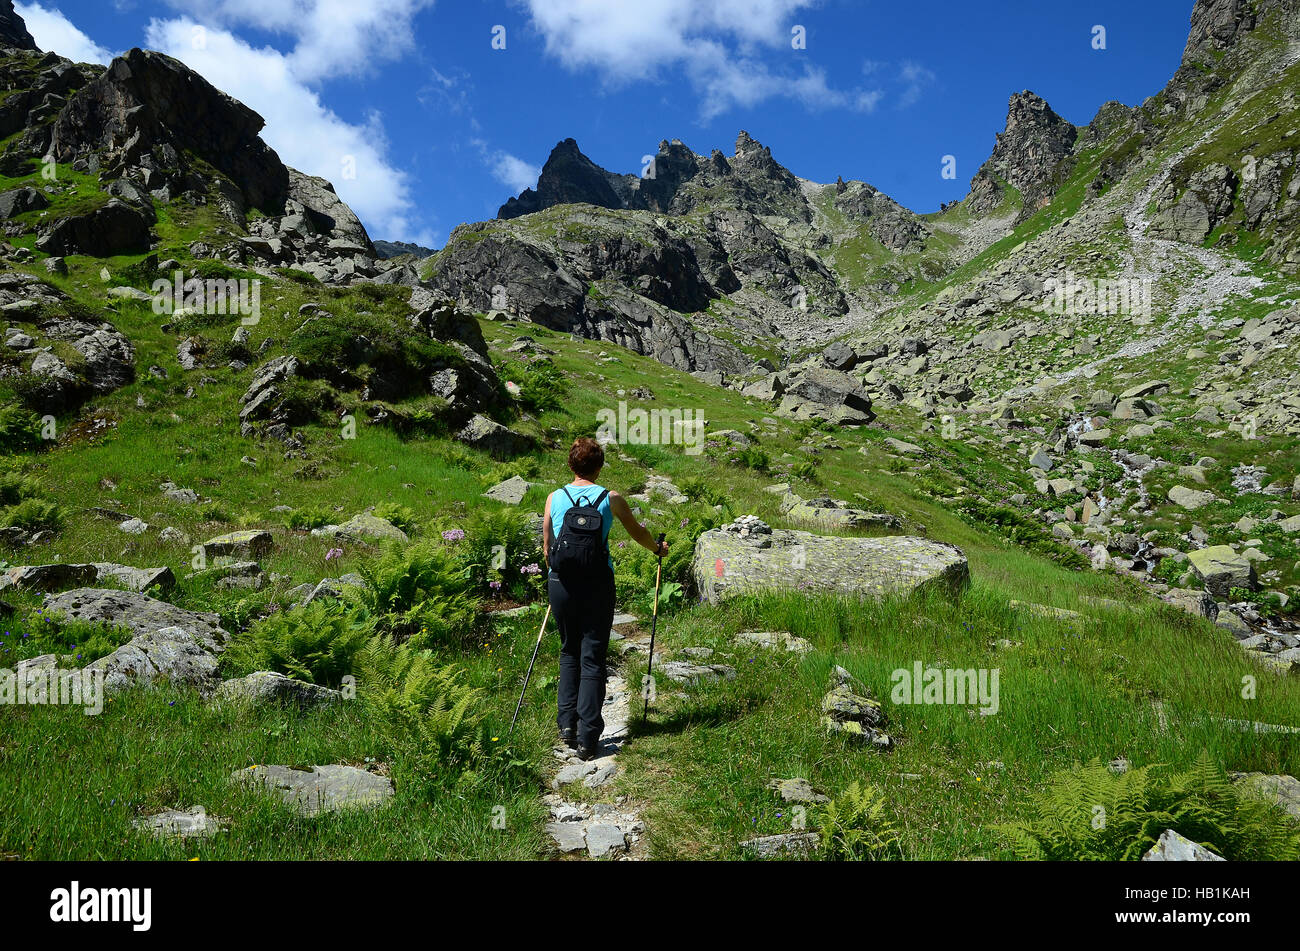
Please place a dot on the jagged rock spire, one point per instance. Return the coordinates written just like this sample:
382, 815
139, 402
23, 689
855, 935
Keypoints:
13, 29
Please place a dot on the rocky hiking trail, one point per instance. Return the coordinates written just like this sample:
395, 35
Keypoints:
606, 828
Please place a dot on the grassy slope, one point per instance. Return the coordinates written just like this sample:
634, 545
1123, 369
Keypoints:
1069, 692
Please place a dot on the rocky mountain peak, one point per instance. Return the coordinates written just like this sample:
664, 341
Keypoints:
13, 29
1026, 156
569, 177
1217, 24
147, 110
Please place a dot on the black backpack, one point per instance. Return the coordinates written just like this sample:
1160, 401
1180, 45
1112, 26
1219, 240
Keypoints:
580, 549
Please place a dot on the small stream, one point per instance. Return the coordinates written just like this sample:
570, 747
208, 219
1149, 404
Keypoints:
1281, 633
1135, 469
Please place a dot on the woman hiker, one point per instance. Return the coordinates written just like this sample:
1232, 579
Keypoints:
581, 589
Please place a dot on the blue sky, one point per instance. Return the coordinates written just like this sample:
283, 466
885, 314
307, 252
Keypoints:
422, 121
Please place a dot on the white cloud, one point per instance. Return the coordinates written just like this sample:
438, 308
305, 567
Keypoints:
514, 172
509, 170
307, 134
332, 37
915, 79
53, 31
717, 45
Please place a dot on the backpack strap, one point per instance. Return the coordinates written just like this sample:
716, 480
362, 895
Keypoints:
596, 504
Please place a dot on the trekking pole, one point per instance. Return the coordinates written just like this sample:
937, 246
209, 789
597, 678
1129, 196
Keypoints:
654, 624
529, 675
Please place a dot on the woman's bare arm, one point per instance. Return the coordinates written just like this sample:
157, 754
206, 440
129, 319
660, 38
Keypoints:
640, 534
546, 531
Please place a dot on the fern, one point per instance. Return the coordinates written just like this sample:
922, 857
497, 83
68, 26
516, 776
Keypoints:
317, 643
398, 515
422, 700
853, 826
421, 592
1091, 814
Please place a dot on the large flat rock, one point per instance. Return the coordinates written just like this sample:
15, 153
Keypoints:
727, 563
138, 612
321, 788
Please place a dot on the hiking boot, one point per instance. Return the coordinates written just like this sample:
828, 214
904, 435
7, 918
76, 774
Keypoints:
586, 752
569, 737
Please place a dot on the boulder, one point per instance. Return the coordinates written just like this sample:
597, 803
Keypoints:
172, 654
903, 448
316, 199
1172, 847
1280, 789
180, 824
775, 640
48, 577
266, 687
367, 528
319, 789
493, 438
1220, 569
796, 790
250, 543
726, 563
800, 844
1199, 603
833, 513
685, 673
116, 228
20, 200
815, 392
511, 491
139, 613
1190, 499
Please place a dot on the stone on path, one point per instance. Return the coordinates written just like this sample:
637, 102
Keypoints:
320, 789
568, 836
1172, 847
605, 839
727, 563
601, 775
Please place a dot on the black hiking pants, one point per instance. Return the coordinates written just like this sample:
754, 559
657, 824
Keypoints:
584, 613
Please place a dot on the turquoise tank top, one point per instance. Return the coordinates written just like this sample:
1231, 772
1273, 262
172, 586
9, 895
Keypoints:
560, 504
